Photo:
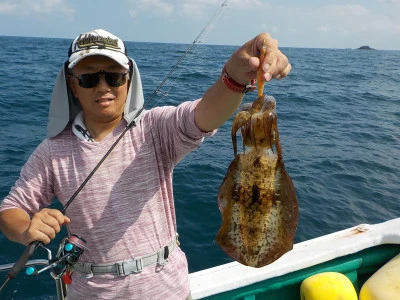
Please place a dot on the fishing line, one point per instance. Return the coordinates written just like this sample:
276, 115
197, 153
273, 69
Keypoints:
204, 31
173, 81
32, 247
157, 90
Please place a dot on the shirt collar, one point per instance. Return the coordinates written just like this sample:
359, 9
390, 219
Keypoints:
79, 128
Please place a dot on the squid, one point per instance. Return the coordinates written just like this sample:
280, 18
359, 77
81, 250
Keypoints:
257, 198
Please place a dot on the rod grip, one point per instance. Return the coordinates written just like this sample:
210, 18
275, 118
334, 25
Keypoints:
23, 259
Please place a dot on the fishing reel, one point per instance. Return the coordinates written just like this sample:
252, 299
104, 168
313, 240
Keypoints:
69, 251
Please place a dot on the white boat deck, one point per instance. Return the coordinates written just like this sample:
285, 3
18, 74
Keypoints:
233, 275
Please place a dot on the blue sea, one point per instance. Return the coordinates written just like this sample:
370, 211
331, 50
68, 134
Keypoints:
339, 124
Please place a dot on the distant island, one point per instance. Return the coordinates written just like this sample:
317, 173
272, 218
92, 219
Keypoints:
366, 48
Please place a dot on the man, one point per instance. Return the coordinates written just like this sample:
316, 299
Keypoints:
126, 211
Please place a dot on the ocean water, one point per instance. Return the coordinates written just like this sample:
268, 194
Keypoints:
338, 117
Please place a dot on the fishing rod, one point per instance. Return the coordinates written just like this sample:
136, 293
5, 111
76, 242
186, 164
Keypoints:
196, 40
133, 122
32, 247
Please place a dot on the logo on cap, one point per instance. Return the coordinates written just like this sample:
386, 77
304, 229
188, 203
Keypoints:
89, 40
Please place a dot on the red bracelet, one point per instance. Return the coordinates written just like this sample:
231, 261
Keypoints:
236, 86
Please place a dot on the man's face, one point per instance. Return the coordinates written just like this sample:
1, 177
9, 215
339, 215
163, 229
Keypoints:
102, 103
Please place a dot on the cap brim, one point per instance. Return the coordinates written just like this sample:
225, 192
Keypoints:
119, 57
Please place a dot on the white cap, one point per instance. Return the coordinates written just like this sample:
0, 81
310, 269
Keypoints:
97, 42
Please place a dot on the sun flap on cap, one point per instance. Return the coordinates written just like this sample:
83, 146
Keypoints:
64, 106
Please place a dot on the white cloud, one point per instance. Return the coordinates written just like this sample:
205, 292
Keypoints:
348, 10
193, 9
157, 7
38, 7
390, 1
323, 28
348, 25
7, 8
245, 4
325, 24
356, 19
188, 8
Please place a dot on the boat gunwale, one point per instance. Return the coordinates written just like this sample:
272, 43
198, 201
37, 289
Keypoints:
232, 276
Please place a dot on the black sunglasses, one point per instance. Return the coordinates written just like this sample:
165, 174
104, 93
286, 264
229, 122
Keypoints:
113, 79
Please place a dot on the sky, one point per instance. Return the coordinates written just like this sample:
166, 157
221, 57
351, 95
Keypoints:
295, 23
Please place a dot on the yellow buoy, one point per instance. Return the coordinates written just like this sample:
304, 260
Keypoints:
327, 286
384, 284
